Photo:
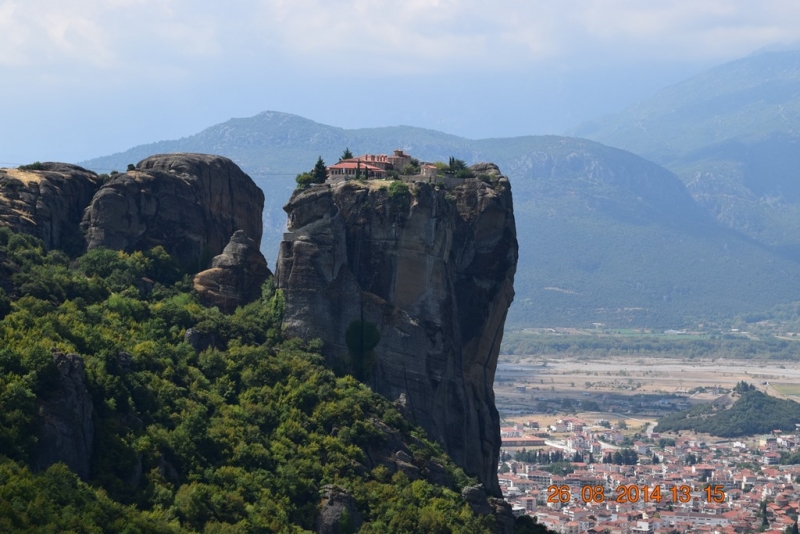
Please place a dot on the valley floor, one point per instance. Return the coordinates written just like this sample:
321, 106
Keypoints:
631, 385
592, 408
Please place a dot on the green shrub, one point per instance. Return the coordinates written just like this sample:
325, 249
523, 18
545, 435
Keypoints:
398, 189
409, 170
304, 180
5, 303
441, 167
456, 165
35, 166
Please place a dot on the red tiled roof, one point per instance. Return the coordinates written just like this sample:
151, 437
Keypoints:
355, 165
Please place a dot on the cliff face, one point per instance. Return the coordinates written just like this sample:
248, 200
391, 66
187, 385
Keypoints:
191, 204
409, 291
47, 202
67, 433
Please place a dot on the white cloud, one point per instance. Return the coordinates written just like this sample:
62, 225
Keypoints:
75, 38
38, 33
681, 29
382, 35
442, 34
412, 35
12, 36
105, 34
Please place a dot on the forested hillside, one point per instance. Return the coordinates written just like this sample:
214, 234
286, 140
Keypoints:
752, 413
231, 428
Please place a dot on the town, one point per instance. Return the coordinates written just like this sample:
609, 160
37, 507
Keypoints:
579, 476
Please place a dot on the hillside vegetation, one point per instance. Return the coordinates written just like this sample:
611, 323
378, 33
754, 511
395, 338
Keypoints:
605, 236
244, 436
753, 413
710, 346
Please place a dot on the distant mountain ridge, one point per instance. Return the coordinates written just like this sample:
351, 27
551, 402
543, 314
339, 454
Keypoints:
292, 140
605, 236
732, 134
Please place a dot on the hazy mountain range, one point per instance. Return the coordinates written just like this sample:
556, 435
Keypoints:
732, 134
605, 235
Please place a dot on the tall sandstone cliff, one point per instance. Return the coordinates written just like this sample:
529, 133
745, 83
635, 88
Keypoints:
409, 291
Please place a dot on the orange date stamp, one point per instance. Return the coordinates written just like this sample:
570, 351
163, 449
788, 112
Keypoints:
632, 493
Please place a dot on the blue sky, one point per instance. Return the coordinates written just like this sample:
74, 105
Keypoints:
83, 78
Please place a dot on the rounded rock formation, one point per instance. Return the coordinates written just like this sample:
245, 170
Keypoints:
47, 200
188, 203
235, 276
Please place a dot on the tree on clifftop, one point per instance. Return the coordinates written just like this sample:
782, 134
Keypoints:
320, 173
457, 164
346, 155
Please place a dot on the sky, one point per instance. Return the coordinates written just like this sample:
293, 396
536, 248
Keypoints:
86, 78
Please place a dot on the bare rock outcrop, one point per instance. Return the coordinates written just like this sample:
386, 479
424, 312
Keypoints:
482, 504
190, 204
67, 433
235, 276
337, 512
409, 292
200, 341
47, 201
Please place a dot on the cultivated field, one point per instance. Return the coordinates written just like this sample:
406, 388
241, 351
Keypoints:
631, 386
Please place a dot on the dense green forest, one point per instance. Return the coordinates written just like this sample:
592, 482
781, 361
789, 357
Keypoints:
752, 413
239, 437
